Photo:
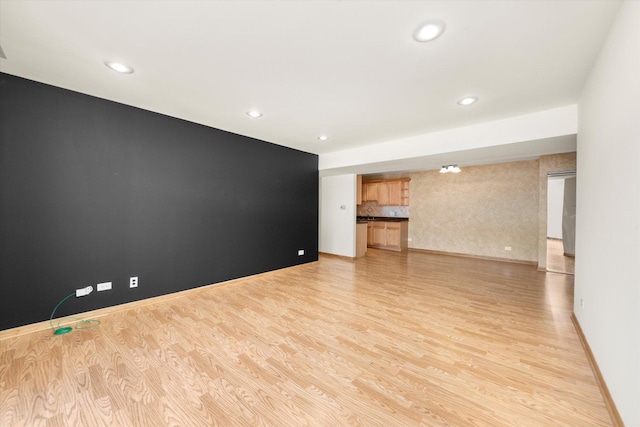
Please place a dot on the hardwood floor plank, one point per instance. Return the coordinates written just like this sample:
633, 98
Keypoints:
388, 339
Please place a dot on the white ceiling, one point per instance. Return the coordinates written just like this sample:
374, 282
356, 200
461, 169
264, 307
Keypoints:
348, 69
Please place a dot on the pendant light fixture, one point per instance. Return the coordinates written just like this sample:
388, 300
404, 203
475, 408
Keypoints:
450, 168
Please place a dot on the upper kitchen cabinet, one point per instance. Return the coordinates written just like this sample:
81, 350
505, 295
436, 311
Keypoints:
370, 191
383, 194
393, 192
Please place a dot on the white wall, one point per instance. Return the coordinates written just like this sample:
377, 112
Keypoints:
505, 132
608, 205
337, 225
555, 199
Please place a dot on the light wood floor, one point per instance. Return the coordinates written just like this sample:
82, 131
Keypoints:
387, 340
556, 261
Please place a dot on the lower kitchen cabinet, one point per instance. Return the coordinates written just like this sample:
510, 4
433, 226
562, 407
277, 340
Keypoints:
361, 239
392, 236
379, 234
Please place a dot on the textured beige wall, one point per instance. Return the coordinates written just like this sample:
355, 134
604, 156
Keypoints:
478, 211
550, 163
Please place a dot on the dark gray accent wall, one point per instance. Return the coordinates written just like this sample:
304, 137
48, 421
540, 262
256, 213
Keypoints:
94, 191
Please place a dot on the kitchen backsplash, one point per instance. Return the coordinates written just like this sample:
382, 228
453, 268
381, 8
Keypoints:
372, 209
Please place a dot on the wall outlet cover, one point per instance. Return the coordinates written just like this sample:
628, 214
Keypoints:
104, 286
133, 282
300, 252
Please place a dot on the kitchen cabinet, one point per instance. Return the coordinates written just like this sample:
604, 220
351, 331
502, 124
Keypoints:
383, 194
392, 235
361, 239
379, 233
393, 192
371, 191
359, 190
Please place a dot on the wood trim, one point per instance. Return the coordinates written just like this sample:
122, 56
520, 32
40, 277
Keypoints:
608, 400
40, 326
343, 257
384, 248
375, 181
558, 272
488, 258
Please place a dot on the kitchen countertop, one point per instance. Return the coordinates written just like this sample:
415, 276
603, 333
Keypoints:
362, 219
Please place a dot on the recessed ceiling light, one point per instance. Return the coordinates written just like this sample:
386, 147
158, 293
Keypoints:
323, 137
119, 67
428, 31
254, 114
468, 101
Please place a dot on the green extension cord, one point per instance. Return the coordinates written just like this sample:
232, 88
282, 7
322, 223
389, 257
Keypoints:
80, 324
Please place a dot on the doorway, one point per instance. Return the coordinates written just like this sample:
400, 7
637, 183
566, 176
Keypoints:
561, 222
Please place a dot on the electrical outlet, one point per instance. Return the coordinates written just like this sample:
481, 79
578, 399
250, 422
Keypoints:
106, 286
300, 252
133, 282
507, 248
581, 303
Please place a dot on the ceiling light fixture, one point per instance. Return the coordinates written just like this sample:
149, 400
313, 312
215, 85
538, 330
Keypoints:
430, 30
119, 67
450, 168
465, 102
254, 114
323, 137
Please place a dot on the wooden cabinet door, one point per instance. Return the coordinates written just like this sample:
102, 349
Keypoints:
395, 193
393, 234
379, 237
383, 194
369, 233
371, 191
361, 240
359, 190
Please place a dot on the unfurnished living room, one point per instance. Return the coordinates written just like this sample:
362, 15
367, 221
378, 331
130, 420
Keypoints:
319, 213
